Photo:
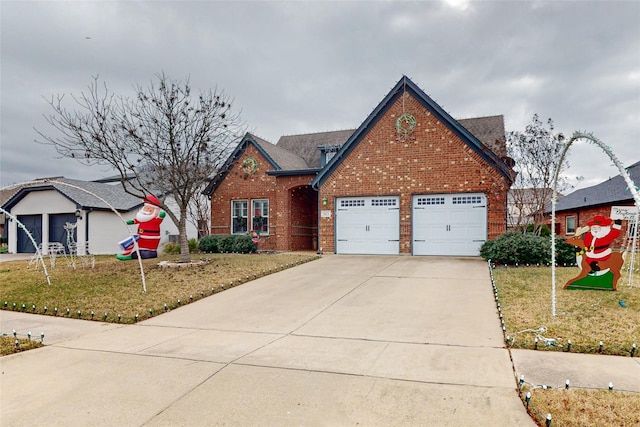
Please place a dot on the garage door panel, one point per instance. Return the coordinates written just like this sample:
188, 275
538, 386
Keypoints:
449, 224
368, 225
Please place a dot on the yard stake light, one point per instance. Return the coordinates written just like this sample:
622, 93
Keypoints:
41, 336
610, 386
23, 307
600, 347
15, 334
92, 314
190, 297
68, 311
14, 305
150, 312
5, 304
633, 349
33, 307
165, 307
17, 345
535, 344
548, 423
119, 317
29, 335
569, 345
55, 310
79, 314
178, 302
527, 398
104, 316
521, 381
135, 318
566, 385
44, 309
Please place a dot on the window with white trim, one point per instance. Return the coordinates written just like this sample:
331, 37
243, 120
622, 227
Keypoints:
260, 216
570, 223
239, 217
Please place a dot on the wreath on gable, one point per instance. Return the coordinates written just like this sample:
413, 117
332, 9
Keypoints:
405, 125
250, 165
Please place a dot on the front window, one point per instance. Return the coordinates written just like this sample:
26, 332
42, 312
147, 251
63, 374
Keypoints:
239, 217
260, 219
571, 225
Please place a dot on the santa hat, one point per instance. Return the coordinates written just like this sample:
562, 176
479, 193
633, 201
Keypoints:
599, 220
152, 200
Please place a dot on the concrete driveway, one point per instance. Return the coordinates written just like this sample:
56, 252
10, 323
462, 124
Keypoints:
341, 341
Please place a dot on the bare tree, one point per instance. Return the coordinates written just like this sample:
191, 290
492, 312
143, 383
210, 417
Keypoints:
170, 141
536, 152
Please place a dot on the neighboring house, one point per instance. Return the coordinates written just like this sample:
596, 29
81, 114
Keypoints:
576, 209
410, 180
45, 208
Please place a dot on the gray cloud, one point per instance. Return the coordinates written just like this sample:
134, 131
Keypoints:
297, 67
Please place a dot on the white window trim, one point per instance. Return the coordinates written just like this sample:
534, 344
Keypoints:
233, 212
566, 225
268, 216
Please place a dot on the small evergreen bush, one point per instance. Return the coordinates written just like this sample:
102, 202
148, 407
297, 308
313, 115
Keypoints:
525, 248
235, 243
171, 248
193, 245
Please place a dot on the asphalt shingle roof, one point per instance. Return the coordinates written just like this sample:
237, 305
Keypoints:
306, 145
613, 190
284, 159
83, 194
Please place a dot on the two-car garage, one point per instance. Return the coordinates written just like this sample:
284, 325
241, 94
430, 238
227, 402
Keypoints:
441, 224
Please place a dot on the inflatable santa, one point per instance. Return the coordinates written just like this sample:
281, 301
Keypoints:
598, 240
148, 220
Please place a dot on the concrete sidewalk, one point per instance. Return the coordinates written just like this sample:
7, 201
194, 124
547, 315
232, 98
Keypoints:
344, 340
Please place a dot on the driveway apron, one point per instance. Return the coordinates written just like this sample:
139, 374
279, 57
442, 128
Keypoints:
341, 341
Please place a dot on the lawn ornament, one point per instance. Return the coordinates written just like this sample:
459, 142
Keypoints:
147, 237
599, 265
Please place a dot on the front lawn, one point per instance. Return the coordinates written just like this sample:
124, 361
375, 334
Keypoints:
113, 291
586, 317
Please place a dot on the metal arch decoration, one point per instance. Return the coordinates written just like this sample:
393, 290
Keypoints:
554, 198
405, 125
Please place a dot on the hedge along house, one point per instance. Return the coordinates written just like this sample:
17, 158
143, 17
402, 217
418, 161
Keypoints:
410, 180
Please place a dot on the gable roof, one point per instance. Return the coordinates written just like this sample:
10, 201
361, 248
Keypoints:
82, 194
306, 145
406, 85
613, 190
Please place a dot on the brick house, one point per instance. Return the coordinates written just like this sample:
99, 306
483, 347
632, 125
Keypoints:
576, 209
410, 180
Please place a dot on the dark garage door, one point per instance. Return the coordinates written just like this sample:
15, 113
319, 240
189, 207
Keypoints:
33, 223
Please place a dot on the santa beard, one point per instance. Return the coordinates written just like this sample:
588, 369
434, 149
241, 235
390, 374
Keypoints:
601, 231
142, 216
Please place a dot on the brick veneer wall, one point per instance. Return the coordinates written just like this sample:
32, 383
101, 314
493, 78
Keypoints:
432, 160
238, 185
583, 216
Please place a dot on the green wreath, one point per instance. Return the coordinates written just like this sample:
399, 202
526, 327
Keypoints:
405, 124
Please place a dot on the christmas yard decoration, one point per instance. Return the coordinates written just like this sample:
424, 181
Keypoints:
599, 265
148, 219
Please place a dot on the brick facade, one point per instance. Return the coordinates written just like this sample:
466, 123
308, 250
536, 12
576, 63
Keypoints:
439, 156
292, 204
433, 160
582, 216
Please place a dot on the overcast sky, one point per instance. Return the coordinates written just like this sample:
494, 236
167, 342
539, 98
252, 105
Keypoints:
301, 67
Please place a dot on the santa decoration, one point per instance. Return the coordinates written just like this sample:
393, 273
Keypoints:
148, 219
598, 240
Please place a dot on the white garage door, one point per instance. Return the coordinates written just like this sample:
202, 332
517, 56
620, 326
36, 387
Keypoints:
368, 225
449, 224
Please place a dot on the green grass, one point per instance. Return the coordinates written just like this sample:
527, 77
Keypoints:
113, 290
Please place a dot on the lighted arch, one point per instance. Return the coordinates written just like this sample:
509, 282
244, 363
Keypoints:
632, 188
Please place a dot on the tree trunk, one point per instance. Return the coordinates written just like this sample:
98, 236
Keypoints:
184, 240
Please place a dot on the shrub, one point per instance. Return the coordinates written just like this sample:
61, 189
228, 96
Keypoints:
210, 244
526, 248
227, 244
193, 245
171, 248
